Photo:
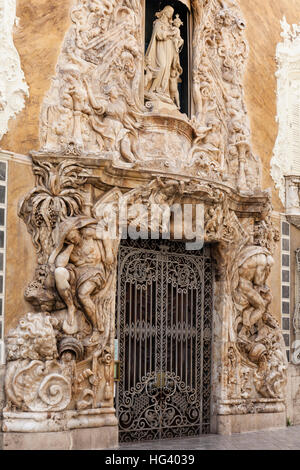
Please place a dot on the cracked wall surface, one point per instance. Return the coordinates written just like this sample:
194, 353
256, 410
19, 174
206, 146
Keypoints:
13, 87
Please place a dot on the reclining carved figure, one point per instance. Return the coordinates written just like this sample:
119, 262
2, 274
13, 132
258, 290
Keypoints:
81, 269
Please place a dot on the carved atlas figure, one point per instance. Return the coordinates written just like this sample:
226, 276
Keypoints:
101, 147
80, 262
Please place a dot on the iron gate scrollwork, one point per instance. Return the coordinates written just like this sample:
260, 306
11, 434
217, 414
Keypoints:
164, 328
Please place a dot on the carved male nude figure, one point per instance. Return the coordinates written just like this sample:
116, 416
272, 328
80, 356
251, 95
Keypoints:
80, 272
253, 276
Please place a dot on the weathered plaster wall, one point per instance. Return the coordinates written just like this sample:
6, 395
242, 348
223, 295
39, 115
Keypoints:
38, 39
20, 253
295, 243
13, 88
263, 31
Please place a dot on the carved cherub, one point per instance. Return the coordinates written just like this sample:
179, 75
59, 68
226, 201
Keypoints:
174, 80
74, 97
177, 39
177, 70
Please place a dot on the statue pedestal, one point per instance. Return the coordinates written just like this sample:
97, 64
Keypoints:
232, 424
72, 430
76, 439
165, 109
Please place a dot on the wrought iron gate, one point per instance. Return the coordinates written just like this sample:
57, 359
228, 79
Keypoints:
164, 328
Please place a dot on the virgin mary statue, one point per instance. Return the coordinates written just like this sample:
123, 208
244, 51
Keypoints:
162, 60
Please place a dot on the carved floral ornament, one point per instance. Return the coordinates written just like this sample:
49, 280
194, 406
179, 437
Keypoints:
103, 147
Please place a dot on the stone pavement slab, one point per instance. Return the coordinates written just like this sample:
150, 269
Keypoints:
277, 439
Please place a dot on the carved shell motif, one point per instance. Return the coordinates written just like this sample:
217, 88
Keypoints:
42, 387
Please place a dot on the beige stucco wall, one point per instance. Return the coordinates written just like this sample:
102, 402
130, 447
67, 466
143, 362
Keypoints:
20, 253
263, 32
38, 39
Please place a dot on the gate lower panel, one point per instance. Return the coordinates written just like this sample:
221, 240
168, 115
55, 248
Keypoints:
164, 328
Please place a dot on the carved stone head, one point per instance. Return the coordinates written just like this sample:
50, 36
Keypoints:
167, 12
73, 237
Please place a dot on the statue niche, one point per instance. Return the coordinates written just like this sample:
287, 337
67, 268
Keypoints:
166, 58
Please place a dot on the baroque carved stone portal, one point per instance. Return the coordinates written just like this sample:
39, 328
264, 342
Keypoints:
104, 148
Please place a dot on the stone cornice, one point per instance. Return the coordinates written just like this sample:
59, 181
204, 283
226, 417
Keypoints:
15, 157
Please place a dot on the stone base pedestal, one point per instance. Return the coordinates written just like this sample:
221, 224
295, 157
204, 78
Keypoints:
77, 439
231, 424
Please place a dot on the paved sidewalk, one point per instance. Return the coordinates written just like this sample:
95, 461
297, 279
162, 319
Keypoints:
282, 439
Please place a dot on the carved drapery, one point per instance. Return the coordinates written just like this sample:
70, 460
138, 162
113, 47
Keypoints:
101, 150
60, 358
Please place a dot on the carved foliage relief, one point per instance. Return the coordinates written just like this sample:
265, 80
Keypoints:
60, 356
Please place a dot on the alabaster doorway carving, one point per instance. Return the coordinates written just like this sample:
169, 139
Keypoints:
102, 149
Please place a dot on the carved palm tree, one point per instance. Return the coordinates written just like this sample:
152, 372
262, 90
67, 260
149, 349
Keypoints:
55, 197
